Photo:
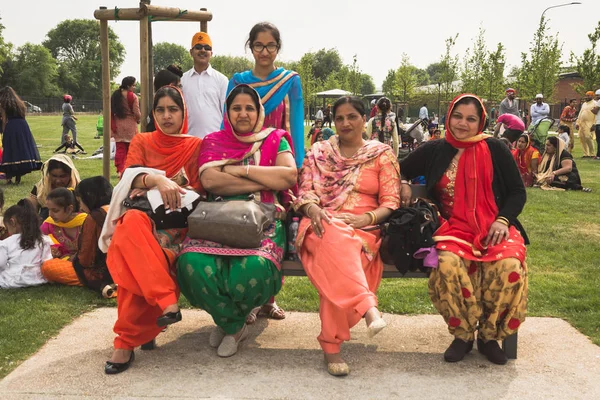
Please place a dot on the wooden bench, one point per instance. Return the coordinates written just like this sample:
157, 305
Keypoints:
294, 268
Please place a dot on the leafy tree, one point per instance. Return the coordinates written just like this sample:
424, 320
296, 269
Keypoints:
310, 84
366, 84
229, 65
37, 71
389, 86
165, 54
326, 62
540, 66
332, 82
448, 72
406, 78
5, 50
354, 79
434, 70
474, 63
493, 74
75, 44
588, 64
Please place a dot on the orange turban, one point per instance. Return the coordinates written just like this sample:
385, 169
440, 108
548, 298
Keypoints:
201, 38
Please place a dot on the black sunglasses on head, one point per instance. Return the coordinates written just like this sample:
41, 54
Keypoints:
203, 46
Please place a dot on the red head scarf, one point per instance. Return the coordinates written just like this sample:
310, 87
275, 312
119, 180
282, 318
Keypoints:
475, 207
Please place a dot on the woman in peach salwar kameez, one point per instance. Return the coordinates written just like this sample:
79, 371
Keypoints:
346, 184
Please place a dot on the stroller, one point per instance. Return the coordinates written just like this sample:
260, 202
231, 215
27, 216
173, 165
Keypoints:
408, 135
538, 133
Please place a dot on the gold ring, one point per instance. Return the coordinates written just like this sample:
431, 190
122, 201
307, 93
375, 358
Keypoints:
497, 232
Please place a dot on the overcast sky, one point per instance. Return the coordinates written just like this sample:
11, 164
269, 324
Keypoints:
378, 32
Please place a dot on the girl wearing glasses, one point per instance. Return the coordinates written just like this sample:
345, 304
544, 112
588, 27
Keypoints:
280, 91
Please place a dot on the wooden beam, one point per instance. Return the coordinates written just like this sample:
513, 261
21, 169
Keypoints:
144, 61
175, 13
125, 14
204, 24
105, 98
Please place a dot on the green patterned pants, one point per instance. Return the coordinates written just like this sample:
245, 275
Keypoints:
228, 288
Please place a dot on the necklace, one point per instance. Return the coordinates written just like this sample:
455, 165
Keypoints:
351, 155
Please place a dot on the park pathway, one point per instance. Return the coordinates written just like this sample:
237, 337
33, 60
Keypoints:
282, 360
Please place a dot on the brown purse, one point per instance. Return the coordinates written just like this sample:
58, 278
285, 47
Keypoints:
235, 223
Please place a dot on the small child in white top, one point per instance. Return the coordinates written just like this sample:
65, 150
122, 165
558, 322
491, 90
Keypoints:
22, 254
563, 134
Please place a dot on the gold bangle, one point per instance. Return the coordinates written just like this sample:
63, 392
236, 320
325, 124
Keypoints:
373, 217
247, 170
503, 220
144, 181
308, 209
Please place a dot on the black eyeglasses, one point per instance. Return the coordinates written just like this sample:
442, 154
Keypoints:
203, 46
271, 48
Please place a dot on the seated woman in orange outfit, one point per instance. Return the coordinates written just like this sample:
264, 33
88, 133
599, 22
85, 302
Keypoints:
480, 283
346, 184
141, 254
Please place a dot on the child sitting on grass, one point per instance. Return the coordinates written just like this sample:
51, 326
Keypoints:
69, 146
22, 254
64, 227
93, 195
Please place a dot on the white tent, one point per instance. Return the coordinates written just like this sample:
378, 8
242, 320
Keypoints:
334, 93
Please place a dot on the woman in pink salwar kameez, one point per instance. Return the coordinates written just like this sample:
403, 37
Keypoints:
346, 184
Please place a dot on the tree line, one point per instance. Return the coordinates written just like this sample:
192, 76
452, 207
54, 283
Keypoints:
69, 61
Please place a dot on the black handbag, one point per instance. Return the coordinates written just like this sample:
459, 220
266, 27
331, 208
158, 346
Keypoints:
407, 230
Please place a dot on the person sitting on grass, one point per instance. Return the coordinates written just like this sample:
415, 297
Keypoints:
93, 195
69, 146
557, 170
58, 172
64, 227
315, 132
527, 158
22, 254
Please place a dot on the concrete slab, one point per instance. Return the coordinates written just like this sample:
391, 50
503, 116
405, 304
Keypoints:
282, 360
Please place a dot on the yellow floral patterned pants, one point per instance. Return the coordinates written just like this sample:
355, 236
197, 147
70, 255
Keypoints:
490, 297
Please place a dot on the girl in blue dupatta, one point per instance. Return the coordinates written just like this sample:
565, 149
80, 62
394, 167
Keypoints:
280, 90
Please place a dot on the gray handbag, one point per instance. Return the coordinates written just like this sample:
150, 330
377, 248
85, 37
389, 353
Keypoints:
238, 224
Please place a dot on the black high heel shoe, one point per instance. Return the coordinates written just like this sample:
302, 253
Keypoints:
168, 318
113, 368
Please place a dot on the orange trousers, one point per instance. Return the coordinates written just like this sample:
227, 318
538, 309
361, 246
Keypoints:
146, 279
60, 271
345, 279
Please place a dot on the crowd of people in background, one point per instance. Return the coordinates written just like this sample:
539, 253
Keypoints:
209, 138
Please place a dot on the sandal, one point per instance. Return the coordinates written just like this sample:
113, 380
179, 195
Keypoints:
587, 190
272, 310
251, 318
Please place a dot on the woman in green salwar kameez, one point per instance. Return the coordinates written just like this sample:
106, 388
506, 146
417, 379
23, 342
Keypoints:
235, 162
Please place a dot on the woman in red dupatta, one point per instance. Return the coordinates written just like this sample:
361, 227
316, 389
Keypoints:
141, 259
346, 184
527, 158
480, 283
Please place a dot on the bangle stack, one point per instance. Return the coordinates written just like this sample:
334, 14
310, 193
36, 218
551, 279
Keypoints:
503, 220
307, 209
373, 217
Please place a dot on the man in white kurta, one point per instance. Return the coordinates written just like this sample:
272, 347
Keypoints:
585, 123
204, 89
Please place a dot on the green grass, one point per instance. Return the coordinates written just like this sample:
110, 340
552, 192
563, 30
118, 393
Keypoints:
563, 260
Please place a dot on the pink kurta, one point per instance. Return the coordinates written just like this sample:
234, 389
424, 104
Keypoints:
344, 265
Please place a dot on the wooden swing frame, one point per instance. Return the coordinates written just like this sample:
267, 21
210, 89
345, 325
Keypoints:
145, 14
